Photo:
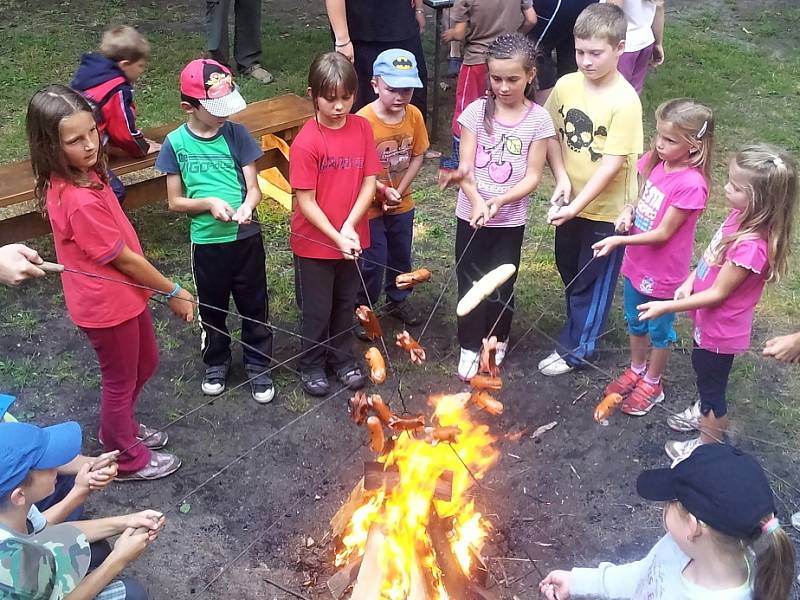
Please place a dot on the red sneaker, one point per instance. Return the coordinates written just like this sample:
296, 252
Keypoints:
643, 397
624, 384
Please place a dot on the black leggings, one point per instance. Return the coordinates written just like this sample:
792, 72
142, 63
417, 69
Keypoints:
490, 248
712, 370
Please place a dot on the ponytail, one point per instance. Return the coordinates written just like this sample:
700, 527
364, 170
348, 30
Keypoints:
774, 566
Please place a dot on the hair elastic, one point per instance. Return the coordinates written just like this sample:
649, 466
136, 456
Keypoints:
777, 161
771, 526
702, 130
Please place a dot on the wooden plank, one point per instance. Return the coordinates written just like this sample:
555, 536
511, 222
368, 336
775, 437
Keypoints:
339, 583
454, 579
283, 116
23, 227
342, 518
370, 575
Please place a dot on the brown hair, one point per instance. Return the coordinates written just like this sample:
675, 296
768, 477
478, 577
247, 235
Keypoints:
123, 42
509, 46
46, 110
772, 189
604, 21
329, 73
694, 123
773, 551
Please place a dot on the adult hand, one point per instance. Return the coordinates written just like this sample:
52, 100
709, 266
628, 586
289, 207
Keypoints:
623, 223
346, 51
555, 585
606, 245
243, 214
220, 210
349, 242
785, 348
657, 59
182, 305
18, 263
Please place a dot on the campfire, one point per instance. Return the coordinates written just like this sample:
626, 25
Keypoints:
410, 529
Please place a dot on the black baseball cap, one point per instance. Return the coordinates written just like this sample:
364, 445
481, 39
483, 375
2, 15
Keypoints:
720, 485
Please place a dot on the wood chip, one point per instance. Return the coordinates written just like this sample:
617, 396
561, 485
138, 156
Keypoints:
543, 429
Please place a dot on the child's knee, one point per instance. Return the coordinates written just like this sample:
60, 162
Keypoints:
662, 333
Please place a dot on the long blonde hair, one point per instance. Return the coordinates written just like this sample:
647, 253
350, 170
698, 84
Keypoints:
772, 208
694, 123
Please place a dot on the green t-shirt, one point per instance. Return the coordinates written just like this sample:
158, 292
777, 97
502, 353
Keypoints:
212, 167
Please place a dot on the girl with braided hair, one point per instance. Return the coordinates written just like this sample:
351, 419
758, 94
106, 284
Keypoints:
504, 143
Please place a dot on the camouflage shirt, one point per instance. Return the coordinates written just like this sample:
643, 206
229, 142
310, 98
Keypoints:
45, 566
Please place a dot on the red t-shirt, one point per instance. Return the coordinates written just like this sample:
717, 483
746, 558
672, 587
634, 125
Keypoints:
89, 231
334, 163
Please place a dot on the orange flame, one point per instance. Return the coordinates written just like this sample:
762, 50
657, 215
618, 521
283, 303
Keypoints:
402, 512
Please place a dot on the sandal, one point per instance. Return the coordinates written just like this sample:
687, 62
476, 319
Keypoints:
315, 382
351, 376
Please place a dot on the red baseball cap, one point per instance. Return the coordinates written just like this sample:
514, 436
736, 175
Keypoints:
212, 85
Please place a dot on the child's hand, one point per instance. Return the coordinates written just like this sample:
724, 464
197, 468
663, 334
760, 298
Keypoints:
624, 221
652, 310
392, 198
494, 205
448, 177
243, 214
349, 242
606, 245
555, 585
480, 215
153, 147
558, 215
220, 209
561, 192
785, 348
131, 544
182, 305
149, 519
684, 290
104, 470
657, 58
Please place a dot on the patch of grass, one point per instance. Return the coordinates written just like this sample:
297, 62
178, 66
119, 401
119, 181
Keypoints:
166, 340
24, 322
295, 400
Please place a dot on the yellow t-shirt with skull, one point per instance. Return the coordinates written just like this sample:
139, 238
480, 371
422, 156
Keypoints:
591, 124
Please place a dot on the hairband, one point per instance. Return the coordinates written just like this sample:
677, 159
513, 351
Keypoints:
771, 526
702, 130
777, 161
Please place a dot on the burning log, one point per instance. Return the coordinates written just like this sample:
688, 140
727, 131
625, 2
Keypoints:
378, 475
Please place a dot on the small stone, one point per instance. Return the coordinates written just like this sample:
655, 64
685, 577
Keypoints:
310, 542
317, 497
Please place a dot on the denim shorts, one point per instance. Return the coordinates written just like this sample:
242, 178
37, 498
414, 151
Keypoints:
660, 330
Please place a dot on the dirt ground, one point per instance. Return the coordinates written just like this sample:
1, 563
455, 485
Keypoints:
566, 498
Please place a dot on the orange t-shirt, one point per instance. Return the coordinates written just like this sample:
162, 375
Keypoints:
396, 145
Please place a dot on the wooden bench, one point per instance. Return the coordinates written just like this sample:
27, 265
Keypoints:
282, 116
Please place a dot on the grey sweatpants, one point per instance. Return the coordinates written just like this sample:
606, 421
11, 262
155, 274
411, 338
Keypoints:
247, 31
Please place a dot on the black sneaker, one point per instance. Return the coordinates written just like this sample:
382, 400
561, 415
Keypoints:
214, 379
360, 332
402, 311
261, 386
351, 376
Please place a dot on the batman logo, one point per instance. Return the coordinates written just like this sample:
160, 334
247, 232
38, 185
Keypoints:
402, 63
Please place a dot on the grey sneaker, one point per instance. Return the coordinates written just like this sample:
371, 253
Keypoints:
688, 420
258, 73
214, 379
161, 465
261, 386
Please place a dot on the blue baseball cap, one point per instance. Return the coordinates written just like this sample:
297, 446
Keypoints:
24, 447
398, 68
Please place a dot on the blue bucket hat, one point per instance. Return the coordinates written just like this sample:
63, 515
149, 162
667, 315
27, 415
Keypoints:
398, 68
24, 447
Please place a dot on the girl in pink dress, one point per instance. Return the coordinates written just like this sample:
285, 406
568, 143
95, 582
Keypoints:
749, 249
676, 174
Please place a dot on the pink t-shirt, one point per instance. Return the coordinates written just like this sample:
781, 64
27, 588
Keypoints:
726, 328
657, 270
89, 231
501, 159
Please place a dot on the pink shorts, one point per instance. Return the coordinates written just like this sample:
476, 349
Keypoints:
473, 81
635, 65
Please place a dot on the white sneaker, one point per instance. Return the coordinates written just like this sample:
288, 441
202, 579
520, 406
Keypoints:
467, 364
678, 451
551, 358
688, 420
556, 366
500, 353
